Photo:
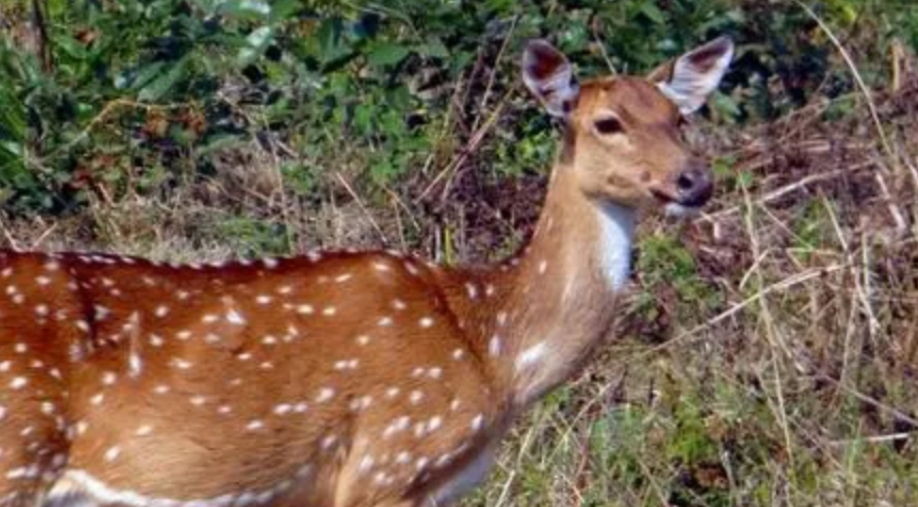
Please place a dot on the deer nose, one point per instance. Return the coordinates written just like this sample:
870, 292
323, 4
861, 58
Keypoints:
694, 187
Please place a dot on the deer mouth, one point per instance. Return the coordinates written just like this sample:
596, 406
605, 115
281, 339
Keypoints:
693, 197
673, 206
664, 197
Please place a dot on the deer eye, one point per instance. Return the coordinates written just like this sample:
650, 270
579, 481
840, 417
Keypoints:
609, 125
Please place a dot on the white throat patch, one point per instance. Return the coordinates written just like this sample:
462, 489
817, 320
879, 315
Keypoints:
616, 224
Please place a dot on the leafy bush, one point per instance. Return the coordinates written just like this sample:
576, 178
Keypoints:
139, 95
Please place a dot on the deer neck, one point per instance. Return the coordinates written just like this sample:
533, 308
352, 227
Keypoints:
555, 301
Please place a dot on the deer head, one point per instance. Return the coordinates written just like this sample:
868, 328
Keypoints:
622, 134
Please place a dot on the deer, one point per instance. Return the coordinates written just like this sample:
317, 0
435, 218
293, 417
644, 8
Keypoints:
338, 378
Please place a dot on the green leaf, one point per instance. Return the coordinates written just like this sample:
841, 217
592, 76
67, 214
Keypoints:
257, 41
206, 5
281, 10
745, 179
71, 47
363, 118
13, 148
163, 84
218, 142
261, 36
653, 12
147, 73
459, 62
388, 54
399, 98
329, 36
433, 48
723, 167
13, 122
725, 105
575, 36
246, 9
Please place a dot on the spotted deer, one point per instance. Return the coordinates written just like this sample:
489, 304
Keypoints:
336, 379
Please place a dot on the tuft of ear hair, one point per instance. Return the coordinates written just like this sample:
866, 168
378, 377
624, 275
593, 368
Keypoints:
550, 77
691, 78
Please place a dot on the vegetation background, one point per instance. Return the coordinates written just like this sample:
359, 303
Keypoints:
766, 354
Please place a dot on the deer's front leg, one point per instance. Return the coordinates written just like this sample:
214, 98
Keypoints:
32, 446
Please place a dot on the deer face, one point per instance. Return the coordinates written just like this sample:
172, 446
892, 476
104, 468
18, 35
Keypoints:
622, 134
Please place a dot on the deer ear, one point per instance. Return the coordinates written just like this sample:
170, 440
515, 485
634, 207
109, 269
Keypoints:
550, 77
689, 79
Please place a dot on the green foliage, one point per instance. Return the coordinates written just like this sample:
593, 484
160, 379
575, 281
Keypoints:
810, 231
255, 238
668, 268
163, 85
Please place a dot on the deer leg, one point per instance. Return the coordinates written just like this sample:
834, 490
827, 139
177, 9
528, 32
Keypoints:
32, 454
33, 426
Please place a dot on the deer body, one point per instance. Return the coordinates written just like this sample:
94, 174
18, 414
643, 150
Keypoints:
332, 379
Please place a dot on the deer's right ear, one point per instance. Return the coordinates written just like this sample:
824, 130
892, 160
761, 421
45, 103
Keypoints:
550, 77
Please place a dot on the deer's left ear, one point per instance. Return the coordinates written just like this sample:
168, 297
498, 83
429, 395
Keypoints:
550, 77
693, 76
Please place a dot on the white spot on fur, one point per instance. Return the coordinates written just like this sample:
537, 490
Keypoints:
494, 346
112, 453
530, 356
234, 317
325, 394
